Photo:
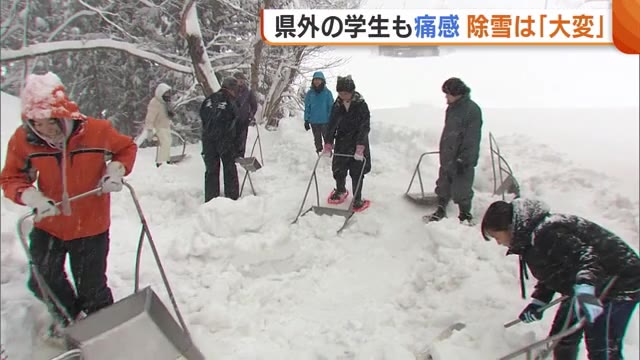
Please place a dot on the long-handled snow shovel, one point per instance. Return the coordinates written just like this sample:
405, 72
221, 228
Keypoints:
136, 327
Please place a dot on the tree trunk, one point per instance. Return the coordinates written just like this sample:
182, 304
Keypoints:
190, 29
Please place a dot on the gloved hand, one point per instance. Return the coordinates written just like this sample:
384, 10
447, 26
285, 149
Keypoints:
307, 126
252, 122
112, 179
586, 303
359, 155
42, 205
327, 150
531, 313
459, 167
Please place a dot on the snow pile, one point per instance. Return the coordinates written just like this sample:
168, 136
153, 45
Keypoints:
253, 286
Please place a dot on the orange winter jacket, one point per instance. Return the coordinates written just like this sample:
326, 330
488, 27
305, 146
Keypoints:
28, 158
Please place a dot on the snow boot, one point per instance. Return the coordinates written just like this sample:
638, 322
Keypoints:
464, 215
439, 214
360, 205
337, 196
54, 335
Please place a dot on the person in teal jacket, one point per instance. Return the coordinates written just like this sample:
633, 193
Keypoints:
318, 103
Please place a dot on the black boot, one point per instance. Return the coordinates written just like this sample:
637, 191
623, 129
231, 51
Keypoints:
464, 215
439, 214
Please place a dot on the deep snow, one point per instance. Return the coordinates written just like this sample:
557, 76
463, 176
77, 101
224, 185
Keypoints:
253, 286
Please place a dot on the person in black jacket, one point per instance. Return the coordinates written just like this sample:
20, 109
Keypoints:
349, 127
459, 151
219, 114
247, 107
574, 257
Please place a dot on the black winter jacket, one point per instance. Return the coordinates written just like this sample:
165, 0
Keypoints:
461, 134
219, 114
564, 250
349, 128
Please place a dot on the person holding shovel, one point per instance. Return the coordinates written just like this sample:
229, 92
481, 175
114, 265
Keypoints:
576, 258
65, 151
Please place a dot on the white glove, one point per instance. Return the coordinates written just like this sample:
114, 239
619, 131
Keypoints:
42, 205
112, 179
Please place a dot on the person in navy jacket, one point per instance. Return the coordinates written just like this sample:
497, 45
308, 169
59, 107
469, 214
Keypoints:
318, 103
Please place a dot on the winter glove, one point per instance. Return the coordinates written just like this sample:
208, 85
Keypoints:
359, 155
42, 205
532, 312
586, 303
112, 179
327, 150
307, 126
252, 122
459, 167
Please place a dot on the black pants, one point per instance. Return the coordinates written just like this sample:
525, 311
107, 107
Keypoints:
457, 187
318, 135
604, 337
243, 130
343, 165
213, 153
88, 258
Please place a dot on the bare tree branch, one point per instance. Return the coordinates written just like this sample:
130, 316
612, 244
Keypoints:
101, 13
76, 45
68, 21
8, 21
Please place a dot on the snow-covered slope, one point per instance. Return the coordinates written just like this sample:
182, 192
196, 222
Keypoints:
253, 286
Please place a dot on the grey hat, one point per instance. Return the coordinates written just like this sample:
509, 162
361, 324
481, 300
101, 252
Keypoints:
239, 75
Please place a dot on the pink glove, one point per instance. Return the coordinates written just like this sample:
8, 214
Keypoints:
359, 155
327, 150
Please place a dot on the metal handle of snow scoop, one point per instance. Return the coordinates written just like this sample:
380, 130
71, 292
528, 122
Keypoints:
540, 309
419, 173
145, 231
45, 290
565, 332
314, 179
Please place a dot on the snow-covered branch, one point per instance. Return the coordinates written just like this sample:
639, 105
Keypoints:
68, 21
77, 45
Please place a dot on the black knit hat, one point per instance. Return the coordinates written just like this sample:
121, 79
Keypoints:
345, 84
456, 87
230, 83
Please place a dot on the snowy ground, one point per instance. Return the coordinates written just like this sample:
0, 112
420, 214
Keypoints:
253, 286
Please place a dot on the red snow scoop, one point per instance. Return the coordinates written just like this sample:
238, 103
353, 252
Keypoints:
138, 326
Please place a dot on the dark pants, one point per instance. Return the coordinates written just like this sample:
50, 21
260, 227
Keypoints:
213, 153
343, 165
457, 187
604, 337
88, 258
318, 135
243, 130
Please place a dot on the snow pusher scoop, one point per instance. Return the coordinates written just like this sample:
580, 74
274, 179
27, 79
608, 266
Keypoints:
251, 164
138, 326
327, 210
421, 198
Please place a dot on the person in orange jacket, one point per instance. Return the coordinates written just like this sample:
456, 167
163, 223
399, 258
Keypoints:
65, 150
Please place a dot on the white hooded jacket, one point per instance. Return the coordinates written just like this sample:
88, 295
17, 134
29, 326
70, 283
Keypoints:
157, 110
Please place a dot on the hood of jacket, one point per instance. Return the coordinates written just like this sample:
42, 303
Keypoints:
527, 215
161, 89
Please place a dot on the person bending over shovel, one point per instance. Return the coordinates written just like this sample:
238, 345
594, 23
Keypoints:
574, 257
65, 151
349, 127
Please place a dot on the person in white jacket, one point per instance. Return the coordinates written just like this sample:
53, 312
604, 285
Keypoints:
158, 123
